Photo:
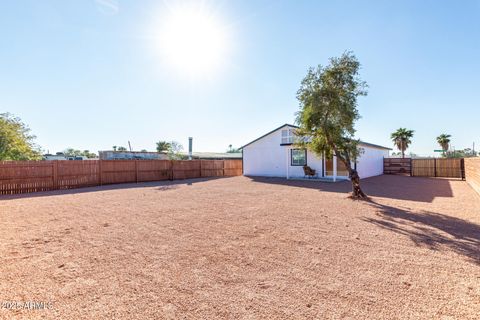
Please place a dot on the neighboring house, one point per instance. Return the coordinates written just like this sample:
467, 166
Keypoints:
63, 157
274, 155
54, 157
131, 155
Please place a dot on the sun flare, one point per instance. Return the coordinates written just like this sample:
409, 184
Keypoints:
193, 41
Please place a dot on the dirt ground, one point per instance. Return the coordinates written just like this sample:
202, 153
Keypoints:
243, 248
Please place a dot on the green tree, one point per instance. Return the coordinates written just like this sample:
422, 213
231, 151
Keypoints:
174, 151
328, 111
469, 153
70, 152
114, 148
88, 154
444, 141
402, 138
231, 149
16, 140
121, 149
163, 146
465, 153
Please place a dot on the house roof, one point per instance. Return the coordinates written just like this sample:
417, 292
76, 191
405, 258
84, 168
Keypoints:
367, 144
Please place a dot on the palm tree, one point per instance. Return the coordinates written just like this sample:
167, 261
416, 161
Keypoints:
163, 146
444, 141
402, 139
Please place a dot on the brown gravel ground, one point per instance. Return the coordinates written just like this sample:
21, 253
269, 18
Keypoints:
242, 248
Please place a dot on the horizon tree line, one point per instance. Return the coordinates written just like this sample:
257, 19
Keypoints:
18, 143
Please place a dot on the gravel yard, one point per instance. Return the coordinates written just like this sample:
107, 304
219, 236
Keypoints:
243, 248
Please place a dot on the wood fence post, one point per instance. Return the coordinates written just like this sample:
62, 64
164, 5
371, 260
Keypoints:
55, 174
223, 168
136, 171
411, 167
462, 168
201, 175
171, 170
435, 166
100, 181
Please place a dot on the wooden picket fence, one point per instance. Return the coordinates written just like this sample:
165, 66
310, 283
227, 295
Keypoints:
34, 176
397, 166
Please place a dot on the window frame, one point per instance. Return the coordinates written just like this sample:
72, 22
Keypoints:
291, 158
288, 138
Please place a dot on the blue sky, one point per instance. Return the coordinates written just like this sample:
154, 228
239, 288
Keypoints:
87, 74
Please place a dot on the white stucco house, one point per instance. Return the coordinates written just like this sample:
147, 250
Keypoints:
274, 155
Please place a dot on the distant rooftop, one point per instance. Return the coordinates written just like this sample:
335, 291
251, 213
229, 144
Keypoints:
215, 155
131, 155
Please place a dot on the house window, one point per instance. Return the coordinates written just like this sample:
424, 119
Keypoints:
298, 157
287, 136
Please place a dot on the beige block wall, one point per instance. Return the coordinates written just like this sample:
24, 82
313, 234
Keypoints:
472, 172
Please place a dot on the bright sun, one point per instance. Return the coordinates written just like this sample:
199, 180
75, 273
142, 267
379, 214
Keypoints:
193, 41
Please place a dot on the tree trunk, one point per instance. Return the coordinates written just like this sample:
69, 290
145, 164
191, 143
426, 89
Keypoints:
357, 192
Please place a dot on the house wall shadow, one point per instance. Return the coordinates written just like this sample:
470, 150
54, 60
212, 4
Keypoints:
420, 189
432, 230
385, 186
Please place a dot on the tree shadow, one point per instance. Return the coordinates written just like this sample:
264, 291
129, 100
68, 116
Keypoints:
159, 185
385, 186
432, 230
